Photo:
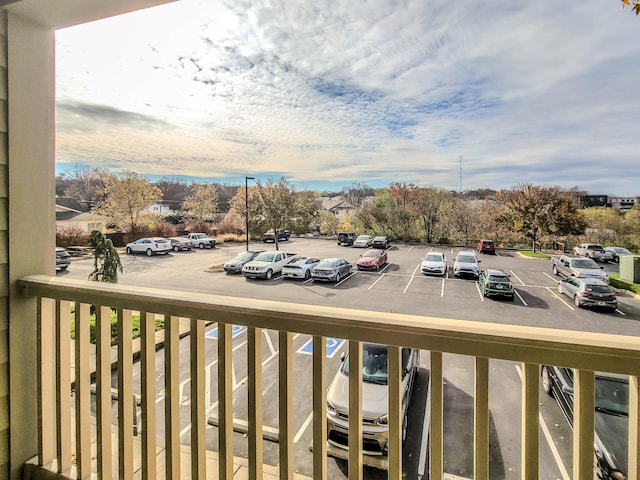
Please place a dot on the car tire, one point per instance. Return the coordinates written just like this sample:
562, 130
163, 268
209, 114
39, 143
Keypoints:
128, 251
576, 301
560, 288
555, 270
546, 381
337, 277
175, 248
612, 309
269, 274
149, 252
307, 275
201, 245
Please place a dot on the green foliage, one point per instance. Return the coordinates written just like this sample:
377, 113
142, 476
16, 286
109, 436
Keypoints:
106, 261
532, 254
616, 282
135, 327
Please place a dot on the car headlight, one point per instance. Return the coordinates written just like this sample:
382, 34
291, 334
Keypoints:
383, 420
618, 475
331, 410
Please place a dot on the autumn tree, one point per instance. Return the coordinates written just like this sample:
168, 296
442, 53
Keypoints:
201, 206
635, 5
603, 224
329, 223
357, 193
536, 211
429, 204
87, 185
127, 195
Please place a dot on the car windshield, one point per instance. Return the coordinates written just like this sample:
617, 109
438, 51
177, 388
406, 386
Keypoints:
433, 257
622, 251
265, 257
466, 259
244, 256
374, 364
612, 396
371, 254
363, 237
326, 263
585, 263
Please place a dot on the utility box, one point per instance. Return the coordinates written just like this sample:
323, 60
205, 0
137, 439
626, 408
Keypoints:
630, 268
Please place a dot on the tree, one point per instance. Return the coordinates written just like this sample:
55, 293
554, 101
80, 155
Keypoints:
603, 224
87, 185
536, 211
202, 204
357, 193
429, 204
127, 195
106, 261
635, 7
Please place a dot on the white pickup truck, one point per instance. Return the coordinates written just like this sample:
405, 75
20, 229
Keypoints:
267, 263
201, 240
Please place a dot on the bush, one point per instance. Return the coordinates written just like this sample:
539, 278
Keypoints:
230, 237
621, 284
67, 235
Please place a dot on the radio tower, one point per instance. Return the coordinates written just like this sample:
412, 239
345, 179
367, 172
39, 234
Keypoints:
460, 174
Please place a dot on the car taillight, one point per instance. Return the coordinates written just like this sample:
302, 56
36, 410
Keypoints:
586, 294
511, 286
488, 284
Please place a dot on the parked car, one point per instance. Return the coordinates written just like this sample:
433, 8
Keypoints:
589, 292
270, 236
150, 246
300, 268
381, 241
576, 266
63, 259
466, 264
331, 270
486, 246
201, 240
496, 283
268, 263
363, 241
611, 416
180, 243
593, 251
617, 252
346, 238
372, 260
434, 263
236, 263
375, 395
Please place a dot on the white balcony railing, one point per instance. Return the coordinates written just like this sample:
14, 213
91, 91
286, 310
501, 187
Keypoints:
66, 431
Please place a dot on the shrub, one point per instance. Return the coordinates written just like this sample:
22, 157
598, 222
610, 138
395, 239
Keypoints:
67, 235
230, 237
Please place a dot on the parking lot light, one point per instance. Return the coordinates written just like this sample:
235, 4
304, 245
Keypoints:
246, 208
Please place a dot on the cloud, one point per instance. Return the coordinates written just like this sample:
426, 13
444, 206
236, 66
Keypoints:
339, 91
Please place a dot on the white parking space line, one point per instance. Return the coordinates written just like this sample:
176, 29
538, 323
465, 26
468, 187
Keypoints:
374, 283
387, 265
269, 342
345, 278
552, 278
477, 284
554, 294
411, 279
411, 248
521, 282
547, 435
442, 289
521, 299
303, 428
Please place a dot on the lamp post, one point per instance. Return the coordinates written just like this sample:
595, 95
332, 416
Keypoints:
246, 207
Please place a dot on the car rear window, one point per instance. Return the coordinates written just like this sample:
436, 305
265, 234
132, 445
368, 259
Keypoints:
595, 247
487, 242
498, 278
598, 289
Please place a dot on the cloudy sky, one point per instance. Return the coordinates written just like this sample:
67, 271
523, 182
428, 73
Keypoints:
332, 92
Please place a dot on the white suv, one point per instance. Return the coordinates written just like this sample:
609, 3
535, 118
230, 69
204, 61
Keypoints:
466, 265
375, 398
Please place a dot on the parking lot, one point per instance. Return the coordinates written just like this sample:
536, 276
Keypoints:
398, 287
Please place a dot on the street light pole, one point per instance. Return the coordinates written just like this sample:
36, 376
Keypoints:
246, 207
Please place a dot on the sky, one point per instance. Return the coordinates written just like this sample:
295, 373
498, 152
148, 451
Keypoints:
329, 93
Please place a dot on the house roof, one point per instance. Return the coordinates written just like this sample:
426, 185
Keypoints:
69, 203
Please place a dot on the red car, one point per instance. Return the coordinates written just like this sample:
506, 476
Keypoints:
372, 260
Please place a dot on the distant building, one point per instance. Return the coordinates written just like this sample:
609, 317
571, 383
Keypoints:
587, 201
71, 213
337, 205
623, 203
158, 209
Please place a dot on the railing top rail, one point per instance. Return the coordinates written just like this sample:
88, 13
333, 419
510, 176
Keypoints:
586, 350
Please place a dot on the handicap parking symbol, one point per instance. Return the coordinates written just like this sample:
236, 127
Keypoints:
332, 346
235, 331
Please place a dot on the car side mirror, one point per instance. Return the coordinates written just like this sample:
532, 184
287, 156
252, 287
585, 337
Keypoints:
479, 261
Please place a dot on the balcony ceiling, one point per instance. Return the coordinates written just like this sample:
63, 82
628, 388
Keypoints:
65, 13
